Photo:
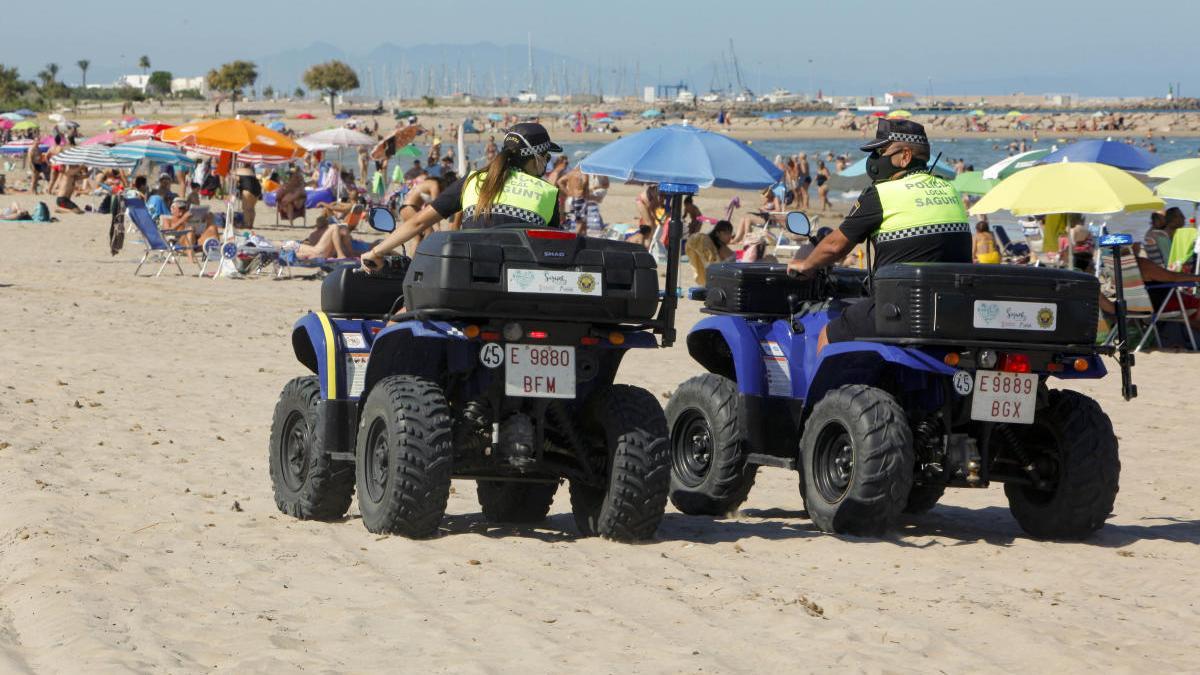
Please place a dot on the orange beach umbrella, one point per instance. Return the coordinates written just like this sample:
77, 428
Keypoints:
233, 135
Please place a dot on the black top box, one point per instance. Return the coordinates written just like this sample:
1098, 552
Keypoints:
532, 274
350, 292
986, 302
766, 289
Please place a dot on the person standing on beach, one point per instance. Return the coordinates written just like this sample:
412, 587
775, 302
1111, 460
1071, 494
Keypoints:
908, 214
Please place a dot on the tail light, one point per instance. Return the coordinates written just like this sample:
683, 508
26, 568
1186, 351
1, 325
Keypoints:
549, 234
537, 335
1014, 363
490, 335
589, 341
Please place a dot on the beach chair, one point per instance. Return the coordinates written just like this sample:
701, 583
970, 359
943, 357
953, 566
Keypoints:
1157, 245
1008, 248
159, 245
1182, 246
1140, 308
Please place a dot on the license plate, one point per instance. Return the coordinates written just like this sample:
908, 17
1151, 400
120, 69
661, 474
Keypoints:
539, 371
1034, 316
1004, 397
554, 282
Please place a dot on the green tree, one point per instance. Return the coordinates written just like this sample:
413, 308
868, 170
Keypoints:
268, 91
11, 86
144, 64
83, 64
159, 83
331, 78
232, 78
299, 93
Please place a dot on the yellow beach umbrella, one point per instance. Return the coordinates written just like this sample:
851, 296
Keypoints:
1071, 187
1184, 185
1014, 113
1174, 168
900, 113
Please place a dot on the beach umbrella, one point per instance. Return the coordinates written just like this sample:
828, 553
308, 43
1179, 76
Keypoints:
683, 154
653, 112
92, 155
26, 112
1073, 187
341, 137
973, 183
342, 116
977, 113
6, 124
1174, 168
1010, 165
17, 147
496, 117
599, 115
878, 113
233, 135
12, 116
152, 130
305, 116
618, 114
1184, 186
1113, 153
904, 114
27, 124
1014, 113
151, 150
57, 117
106, 138
410, 150
277, 126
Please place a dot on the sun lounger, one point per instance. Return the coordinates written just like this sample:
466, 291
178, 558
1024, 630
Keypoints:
159, 245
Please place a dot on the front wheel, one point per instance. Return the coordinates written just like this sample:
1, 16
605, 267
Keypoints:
307, 483
857, 455
403, 463
638, 468
1073, 447
709, 474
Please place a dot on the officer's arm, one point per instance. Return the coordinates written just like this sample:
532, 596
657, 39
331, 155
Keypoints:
425, 218
832, 248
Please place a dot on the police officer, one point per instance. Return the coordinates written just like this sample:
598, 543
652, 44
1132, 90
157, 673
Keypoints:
510, 191
908, 214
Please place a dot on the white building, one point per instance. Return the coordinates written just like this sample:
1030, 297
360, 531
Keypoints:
138, 82
899, 98
200, 84
649, 95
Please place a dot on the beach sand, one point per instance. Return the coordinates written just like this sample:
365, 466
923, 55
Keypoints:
138, 531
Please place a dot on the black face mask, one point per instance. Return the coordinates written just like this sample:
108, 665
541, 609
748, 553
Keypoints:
880, 167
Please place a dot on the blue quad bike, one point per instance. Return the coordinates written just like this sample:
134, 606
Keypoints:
489, 356
957, 393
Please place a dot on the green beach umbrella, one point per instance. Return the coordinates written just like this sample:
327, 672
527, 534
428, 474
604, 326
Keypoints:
27, 124
977, 113
1010, 165
973, 183
1174, 168
410, 150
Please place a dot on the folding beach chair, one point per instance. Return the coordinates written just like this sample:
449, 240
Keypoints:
1139, 306
159, 245
1009, 248
1157, 245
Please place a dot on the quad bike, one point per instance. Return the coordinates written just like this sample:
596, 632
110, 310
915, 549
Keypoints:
489, 356
956, 393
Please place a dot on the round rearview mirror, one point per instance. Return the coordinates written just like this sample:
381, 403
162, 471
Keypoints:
797, 223
383, 220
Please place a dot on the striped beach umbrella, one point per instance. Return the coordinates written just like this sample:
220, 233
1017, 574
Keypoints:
17, 147
154, 151
92, 155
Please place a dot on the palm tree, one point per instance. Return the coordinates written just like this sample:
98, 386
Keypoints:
52, 68
83, 66
144, 64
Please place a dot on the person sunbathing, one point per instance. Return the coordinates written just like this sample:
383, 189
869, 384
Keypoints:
179, 221
328, 239
291, 198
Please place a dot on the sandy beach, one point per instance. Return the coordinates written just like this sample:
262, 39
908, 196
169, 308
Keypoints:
138, 531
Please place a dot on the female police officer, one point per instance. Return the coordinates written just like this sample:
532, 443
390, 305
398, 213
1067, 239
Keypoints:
509, 191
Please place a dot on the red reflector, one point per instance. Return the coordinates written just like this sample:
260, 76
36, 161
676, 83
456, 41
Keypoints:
537, 335
549, 234
490, 335
1014, 363
588, 340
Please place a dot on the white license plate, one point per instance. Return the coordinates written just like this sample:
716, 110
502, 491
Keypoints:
539, 371
554, 282
1004, 397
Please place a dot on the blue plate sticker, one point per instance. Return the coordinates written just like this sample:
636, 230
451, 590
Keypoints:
1118, 239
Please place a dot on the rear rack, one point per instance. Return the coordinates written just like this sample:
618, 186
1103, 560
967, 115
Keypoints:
1107, 350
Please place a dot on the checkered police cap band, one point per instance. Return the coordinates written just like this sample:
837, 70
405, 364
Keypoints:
919, 139
529, 150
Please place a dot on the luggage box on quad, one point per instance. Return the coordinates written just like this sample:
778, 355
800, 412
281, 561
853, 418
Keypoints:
954, 301
765, 289
503, 273
346, 292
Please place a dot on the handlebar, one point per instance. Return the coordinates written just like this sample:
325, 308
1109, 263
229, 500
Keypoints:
390, 267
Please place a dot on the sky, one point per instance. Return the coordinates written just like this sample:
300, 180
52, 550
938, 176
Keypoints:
1096, 47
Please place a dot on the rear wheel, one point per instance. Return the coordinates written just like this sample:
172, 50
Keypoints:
709, 475
515, 502
922, 498
307, 483
404, 457
630, 505
857, 455
1074, 449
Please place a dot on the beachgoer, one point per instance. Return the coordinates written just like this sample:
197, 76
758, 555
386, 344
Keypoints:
509, 191
291, 197
574, 187
179, 220
39, 168
250, 190
909, 214
648, 203
770, 204
822, 188
66, 190
327, 240
705, 249
983, 248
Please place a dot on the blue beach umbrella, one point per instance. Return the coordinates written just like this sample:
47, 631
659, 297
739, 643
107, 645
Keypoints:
1113, 153
496, 117
154, 151
683, 154
26, 112
653, 112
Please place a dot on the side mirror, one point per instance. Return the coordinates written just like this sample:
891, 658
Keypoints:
382, 219
797, 223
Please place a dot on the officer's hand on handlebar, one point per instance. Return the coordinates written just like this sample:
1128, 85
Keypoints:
371, 261
797, 270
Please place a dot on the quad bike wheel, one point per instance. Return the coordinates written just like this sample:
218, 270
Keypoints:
307, 483
638, 467
515, 502
709, 474
1072, 444
404, 457
857, 455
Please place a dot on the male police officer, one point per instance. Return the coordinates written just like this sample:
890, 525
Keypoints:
909, 214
